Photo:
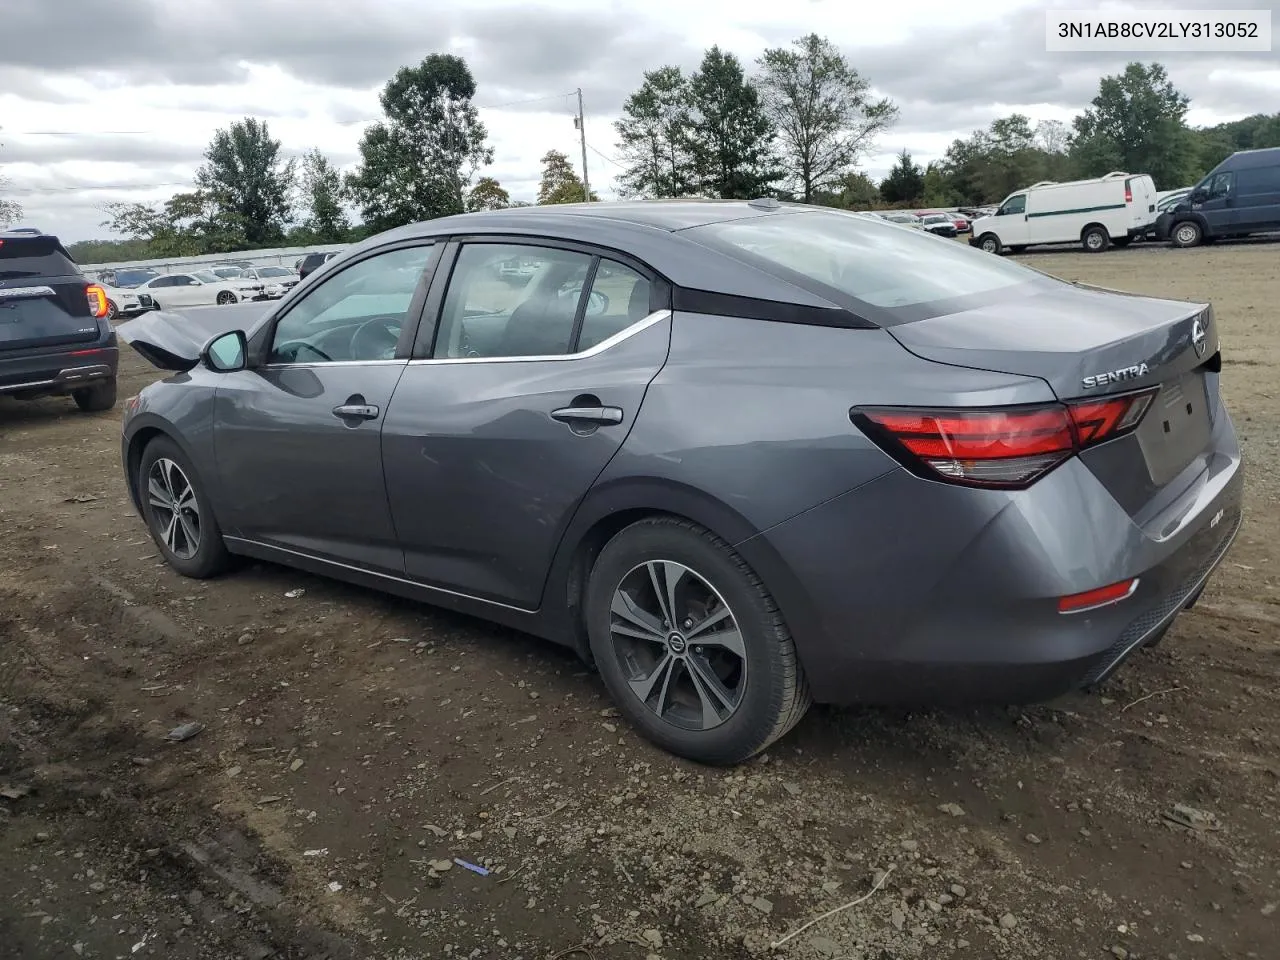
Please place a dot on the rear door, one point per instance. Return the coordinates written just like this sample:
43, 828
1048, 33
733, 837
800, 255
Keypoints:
42, 296
518, 396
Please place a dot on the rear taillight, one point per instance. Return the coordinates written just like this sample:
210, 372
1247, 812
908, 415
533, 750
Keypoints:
97, 300
1003, 447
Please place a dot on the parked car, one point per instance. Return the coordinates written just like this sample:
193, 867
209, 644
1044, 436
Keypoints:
902, 219
123, 302
1238, 197
940, 224
276, 281
1096, 213
55, 335
227, 273
781, 454
515, 271
311, 261
127, 277
961, 222
198, 289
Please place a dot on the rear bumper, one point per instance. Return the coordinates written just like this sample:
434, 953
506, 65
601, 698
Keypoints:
57, 372
911, 591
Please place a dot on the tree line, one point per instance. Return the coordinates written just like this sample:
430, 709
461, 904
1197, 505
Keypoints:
796, 126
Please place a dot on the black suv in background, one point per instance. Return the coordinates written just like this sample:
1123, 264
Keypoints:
312, 260
55, 338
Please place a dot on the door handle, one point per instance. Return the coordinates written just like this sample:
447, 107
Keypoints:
356, 411
602, 415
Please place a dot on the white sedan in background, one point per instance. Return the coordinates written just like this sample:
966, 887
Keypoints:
276, 281
203, 288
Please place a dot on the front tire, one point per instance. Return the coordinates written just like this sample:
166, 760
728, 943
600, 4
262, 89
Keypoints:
112, 310
990, 243
1187, 234
226, 297
95, 399
178, 513
691, 645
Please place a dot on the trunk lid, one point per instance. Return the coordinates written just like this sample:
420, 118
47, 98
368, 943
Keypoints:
1087, 342
42, 296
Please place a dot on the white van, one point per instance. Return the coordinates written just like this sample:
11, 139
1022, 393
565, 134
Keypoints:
1095, 213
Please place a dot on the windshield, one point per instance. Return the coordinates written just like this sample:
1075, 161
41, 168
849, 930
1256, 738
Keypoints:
207, 276
869, 263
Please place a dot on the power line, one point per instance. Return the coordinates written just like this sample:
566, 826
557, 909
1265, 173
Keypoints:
340, 123
605, 156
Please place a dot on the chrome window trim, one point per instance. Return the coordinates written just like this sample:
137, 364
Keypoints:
322, 364
624, 334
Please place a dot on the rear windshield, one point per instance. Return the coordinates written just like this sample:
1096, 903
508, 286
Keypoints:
34, 257
879, 265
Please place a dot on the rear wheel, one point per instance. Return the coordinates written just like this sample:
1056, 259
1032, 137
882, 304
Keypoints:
1095, 239
95, 399
690, 643
1187, 234
178, 513
990, 243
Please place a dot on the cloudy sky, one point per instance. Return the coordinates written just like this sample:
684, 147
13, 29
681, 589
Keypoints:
106, 100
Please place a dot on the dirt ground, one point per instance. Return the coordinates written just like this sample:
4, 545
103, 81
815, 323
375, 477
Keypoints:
354, 745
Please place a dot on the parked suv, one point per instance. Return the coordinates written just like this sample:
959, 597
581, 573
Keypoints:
55, 338
312, 260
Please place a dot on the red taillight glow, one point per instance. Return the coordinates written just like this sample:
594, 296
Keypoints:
1101, 597
1128, 194
1000, 446
97, 300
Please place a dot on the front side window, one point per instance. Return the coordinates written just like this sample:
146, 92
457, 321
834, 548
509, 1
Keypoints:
872, 264
1219, 185
1014, 205
511, 300
355, 314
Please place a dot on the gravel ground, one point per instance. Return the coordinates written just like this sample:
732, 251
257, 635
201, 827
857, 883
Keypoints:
357, 753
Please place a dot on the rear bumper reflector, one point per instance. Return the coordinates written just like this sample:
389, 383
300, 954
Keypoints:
1100, 597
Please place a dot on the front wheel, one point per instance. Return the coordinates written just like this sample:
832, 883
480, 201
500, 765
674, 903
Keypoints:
178, 513
96, 399
226, 297
990, 243
112, 310
691, 645
1187, 234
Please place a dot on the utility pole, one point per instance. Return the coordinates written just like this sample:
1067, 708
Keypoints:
580, 121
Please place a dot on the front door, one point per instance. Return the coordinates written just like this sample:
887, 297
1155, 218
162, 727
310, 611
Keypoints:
1011, 222
298, 436
530, 386
1218, 204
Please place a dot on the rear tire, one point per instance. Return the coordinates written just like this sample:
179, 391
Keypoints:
96, 399
178, 513
1095, 239
1186, 234
990, 243
725, 693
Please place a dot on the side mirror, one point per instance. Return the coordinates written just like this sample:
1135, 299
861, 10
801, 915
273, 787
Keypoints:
226, 353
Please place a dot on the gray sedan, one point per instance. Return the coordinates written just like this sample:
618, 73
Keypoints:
739, 455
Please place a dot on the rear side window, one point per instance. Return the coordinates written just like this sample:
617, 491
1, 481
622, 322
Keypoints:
34, 257
873, 264
1259, 180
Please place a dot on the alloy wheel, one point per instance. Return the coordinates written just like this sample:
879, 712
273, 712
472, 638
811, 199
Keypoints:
678, 645
174, 507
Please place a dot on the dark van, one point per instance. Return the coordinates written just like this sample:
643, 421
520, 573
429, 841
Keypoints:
1239, 196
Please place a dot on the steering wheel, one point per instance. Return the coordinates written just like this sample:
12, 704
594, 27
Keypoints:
297, 346
375, 339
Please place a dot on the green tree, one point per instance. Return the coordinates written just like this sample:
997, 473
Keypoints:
653, 137
415, 164
823, 110
322, 194
731, 139
488, 194
905, 183
937, 191
1138, 118
244, 176
854, 191
560, 184
1009, 155
186, 225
